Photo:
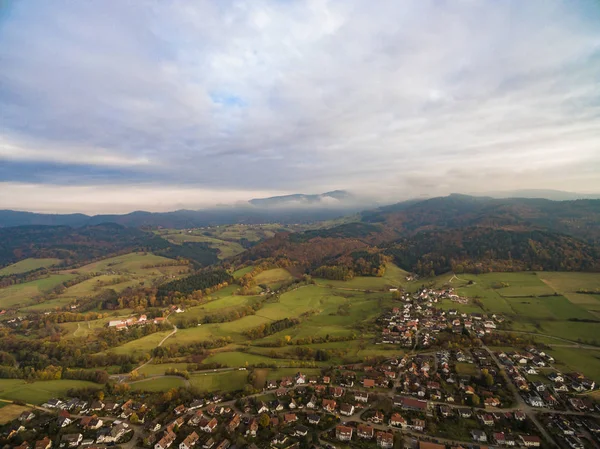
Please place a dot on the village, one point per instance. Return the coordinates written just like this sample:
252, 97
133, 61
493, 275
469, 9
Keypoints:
425, 399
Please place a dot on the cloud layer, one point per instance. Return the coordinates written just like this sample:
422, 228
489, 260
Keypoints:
226, 99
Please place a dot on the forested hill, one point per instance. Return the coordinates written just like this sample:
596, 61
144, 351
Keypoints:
77, 245
455, 232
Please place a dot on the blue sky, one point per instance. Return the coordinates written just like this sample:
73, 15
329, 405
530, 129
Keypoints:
112, 106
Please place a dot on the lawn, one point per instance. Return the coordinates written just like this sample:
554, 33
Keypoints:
224, 381
26, 265
469, 369
158, 384
142, 345
23, 294
39, 392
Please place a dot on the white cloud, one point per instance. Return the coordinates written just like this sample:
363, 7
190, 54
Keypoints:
101, 199
424, 97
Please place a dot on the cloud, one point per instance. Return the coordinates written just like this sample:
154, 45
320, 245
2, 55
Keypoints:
397, 99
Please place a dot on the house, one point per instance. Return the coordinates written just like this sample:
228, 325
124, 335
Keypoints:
343, 433
347, 409
313, 419
234, 423
377, 418
487, 419
385, 440
300, 379
337, 392
412, 404
369, 383
64, 421
26, 416
361, 396
208, 444
290, 418
535, 401
418, 425
329, 404
23, 445
312, 403
52, 403
279, 439
271, 384
91, 422
262, 408
166, 441
210, 426
520, 415
530, 440
224, 444
478, 435
196, 404
326, 380
71, 439
365, 431
397, 420
428, 445
44, 443
179, 409
499, 438
190, 441
491, 402
252, 427
301, 431
465, 412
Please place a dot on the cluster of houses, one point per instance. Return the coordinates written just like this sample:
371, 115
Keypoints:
417, 320
533, 362
569, 429
134, 321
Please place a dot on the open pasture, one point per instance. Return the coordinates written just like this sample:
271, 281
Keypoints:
25, 265
39, 392
158, 384
127, 263
225, 248
158, 369
274, 278
24, 294
219, 381
393, 277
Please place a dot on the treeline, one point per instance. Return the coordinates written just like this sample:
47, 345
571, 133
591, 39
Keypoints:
271, 328
196, 282
357, 263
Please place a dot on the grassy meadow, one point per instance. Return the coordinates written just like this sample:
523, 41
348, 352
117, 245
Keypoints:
39, 392
25, 265
26, 293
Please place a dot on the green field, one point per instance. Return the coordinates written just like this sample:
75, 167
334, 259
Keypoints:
159, 369
225, 248
242, 271
39, 392
274, 278
159, 384
224, 381
25, 265
393, 277
24, 294
241, 359
583, 360
130, 263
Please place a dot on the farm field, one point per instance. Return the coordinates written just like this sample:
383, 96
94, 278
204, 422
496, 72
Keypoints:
8, 412
39, 392
130, 263
241, 359
158, 369
586, 361
225, 247
158, 384
273, 278
224, 381
394, 277
24, 294
25, 265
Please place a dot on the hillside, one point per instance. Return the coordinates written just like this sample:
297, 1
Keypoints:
435, 235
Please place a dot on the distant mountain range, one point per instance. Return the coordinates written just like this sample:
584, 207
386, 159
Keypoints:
297, 208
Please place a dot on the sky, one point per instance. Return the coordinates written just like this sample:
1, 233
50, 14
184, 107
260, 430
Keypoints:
108, 106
